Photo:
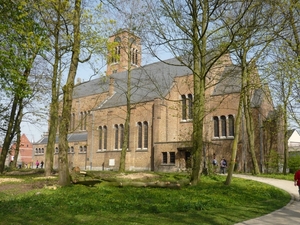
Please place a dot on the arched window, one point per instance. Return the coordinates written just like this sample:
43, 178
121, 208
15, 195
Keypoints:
231, 125
100, 137
84, 148
36, 151
39, 150
183, 98
140, 137
73, 121
81, 120
134, 56
117, 51
56, 150
80, 149
116, 136
84, 120
72, 149
42, 150
223, 126
190, 107
121, 135
216, 126
145, 134
104, 137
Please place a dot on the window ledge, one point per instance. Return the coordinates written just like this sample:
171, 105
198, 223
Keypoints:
186, 121
223, 138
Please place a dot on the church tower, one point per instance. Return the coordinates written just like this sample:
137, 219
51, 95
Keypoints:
124, 52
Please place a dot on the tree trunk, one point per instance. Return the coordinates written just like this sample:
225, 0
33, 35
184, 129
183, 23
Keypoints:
199, 71
128, 113
53, 120
64, 178
234, 149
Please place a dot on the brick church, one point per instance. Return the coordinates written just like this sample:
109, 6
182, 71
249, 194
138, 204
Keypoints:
161, 115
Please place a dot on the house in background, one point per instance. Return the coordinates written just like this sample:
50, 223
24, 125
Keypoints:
161, 124
293, 140
25, 152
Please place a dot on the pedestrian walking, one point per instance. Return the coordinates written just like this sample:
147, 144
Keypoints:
223, 165
297, 180
37, 163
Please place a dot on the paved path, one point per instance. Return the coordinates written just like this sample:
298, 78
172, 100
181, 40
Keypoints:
290, 214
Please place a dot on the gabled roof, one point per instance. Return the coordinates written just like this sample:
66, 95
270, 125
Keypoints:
291, 132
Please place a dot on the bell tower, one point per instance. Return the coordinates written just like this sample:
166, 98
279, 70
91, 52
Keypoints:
124, 52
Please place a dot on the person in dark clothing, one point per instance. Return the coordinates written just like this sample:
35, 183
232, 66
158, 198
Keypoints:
223, 165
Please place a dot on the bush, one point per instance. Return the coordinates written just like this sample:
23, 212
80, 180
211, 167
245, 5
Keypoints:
294, 162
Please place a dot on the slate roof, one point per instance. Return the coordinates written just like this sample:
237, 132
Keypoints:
73, 137
92, 87
147, 82
230, 81
154, 81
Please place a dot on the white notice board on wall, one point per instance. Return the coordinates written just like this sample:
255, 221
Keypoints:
111, 162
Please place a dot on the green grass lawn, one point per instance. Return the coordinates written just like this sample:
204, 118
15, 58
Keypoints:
211, 202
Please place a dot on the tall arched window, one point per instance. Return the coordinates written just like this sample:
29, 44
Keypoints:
223, 126
145, 134
73, 121
190, 107
84, 120
116, 136
231, 125
121, 135
100, 137
134, 56
104, 137
117, 51
81, 120
216, 126
140, 137
183, 98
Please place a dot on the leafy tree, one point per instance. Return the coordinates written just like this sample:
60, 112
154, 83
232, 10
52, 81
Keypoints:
284, 66
198, 33
22, 39
250, 43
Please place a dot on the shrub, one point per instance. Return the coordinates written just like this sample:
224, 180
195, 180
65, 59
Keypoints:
294, 162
